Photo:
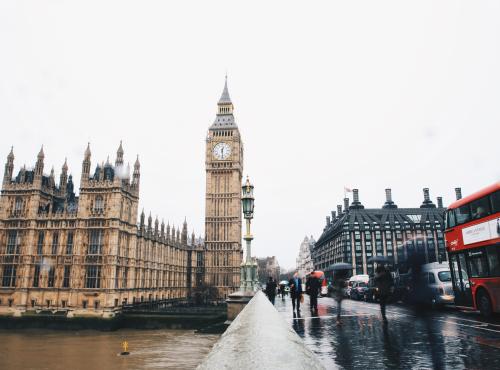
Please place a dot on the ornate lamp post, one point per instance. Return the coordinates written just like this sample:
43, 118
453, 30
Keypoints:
248, 268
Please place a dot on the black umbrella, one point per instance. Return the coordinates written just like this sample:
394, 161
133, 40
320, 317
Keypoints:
340, 266
378, 259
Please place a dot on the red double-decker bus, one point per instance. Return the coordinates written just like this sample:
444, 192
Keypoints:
473, 242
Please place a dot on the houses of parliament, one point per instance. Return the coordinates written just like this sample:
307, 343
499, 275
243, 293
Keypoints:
90, 254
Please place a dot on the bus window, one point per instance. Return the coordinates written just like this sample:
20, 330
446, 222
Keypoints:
480, 208
462, 214
450, 219
495, 201
492, 251
478, 265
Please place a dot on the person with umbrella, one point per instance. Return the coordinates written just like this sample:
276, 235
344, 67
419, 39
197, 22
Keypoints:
340, 276
271, 289
383, 281
313, 286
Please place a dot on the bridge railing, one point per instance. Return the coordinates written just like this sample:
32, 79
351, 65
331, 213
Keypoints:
259, 338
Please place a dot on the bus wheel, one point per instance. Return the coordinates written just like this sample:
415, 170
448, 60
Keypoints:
484, 303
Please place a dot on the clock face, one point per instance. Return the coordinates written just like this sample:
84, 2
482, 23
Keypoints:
222, 151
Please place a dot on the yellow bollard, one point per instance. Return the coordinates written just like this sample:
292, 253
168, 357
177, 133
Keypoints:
125, 351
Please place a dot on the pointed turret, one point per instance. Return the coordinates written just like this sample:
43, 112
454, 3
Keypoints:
150, 222
9, 167
162, 229
39, 163
224, 118
119, 156
184, 236
86, 165
157, 223
141, 225
136, 177
63, 179
168, 231
193, 239
52, 178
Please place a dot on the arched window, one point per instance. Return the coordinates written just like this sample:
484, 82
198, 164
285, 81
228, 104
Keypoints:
99, 204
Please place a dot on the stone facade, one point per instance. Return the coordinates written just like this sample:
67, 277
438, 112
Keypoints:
304, 260
86, 255
268, 266
223, 214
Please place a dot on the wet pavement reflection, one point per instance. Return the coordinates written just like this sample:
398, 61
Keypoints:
446, 339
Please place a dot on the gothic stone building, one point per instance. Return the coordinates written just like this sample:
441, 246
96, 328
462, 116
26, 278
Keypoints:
86, 255
356, 234
304, 261
223, 220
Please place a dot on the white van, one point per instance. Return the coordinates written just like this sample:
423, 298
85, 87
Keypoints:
356, 279
437, 277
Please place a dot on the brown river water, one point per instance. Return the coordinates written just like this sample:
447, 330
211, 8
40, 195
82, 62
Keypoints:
54, 350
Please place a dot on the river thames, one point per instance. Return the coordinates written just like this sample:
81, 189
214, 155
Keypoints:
53, 350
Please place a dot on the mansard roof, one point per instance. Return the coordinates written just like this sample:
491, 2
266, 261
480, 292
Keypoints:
383, 219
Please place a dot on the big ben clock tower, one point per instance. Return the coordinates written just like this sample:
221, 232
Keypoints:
224, 167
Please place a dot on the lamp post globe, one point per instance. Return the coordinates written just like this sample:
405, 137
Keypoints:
247, 199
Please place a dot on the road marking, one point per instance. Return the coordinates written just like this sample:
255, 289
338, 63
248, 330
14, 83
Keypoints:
447, 321
469, 326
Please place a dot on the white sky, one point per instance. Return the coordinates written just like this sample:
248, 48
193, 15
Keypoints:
367, 94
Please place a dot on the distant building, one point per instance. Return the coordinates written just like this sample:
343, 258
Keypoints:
355, 234
86, 255
304, 260
268, 266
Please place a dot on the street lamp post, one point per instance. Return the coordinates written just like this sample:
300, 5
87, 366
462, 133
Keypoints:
249, 267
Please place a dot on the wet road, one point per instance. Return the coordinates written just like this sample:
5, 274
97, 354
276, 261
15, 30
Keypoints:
446, 339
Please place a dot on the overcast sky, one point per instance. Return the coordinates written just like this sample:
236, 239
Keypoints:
327, 94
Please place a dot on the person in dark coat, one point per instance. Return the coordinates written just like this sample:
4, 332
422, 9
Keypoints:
384, 283
339, 285
295, 284
313, 286
271, 289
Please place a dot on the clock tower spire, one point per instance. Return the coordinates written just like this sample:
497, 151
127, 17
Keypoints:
224, 167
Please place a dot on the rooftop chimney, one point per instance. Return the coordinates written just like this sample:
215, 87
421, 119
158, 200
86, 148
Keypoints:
458, 193
388, 200
339, 209
327, 220
440, 202
355, 200
426, 195
334, 215
346, 204
427, 203
355, 196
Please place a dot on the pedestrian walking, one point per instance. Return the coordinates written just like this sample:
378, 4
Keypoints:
384, 283
295, 284
339, 285
313, 286
271, 289
282, 291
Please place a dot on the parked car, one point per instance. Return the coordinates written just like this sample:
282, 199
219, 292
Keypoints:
358, 290
437, 277
371, 292
432, 286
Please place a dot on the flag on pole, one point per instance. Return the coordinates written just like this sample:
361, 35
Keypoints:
346, 190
